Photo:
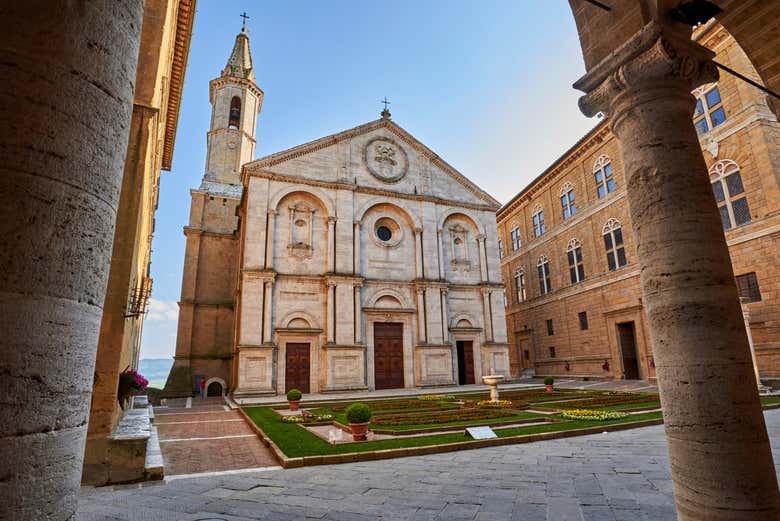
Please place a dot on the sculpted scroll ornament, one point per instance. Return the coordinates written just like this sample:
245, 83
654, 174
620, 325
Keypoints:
654, 58
385, 160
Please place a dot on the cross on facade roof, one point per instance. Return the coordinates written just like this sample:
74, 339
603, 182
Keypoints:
245, 17
385, 112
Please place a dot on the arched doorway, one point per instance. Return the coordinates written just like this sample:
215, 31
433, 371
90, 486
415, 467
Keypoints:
215, 389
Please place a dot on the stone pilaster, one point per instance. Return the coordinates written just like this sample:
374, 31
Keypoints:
418, 251
718, 447
332, 244
483, 267
269, 239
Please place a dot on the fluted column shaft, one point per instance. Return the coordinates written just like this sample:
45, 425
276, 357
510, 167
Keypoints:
719, 451
268, 311
269, 240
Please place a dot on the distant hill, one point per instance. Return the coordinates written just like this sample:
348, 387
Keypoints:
155, 370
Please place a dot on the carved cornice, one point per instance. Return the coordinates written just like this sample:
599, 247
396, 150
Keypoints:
654, 58
335, 185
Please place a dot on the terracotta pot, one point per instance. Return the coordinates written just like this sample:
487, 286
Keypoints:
359, 431
294, 404
549, 388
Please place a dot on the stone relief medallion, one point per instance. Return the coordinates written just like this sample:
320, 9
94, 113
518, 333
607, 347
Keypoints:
385, 160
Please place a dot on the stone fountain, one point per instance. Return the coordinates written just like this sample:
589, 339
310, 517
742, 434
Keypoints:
493, 380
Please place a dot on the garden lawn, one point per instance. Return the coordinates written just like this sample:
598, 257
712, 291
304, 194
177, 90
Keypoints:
295, 441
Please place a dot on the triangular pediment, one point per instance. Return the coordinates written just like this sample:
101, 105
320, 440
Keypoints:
379, 154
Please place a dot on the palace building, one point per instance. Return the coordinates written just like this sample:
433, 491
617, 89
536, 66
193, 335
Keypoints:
361, 260
568, 252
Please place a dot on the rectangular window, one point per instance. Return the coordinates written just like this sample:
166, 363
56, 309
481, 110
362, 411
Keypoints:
583, 316
500, 249
526, 354
616, 253
520, 295
576, 266
747, 285
538, 222
568, 206
550, 330
552, 351
545, 285
741, 211
709, 112
515, 236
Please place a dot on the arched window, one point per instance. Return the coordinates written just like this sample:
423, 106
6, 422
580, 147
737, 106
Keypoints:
235, 113
538, 221
602, 171
520, 291
568, 205
613, 243
729, 193
709, 112
543, 267
576, 266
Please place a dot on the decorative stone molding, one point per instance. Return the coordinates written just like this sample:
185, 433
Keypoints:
655, 58
385, 160
611, 224
602, 161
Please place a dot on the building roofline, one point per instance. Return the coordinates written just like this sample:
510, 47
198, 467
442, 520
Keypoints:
600, 127
185, 17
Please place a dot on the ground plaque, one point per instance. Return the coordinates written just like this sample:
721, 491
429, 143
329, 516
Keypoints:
481, 433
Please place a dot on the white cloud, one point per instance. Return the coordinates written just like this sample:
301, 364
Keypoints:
162, 310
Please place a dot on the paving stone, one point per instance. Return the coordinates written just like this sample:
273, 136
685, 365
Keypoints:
515, 483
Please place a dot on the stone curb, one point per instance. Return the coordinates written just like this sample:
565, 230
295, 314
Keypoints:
352, 457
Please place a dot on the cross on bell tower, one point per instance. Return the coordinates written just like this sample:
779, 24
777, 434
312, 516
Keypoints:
245, 17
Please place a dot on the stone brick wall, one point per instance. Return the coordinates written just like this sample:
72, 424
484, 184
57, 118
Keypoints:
749, 137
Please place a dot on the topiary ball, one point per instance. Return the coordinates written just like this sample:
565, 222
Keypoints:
358, 413
293, 395
549, 380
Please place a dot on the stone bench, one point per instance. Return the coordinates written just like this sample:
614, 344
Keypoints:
134, 449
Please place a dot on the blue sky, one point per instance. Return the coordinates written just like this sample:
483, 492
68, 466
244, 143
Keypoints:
486, 85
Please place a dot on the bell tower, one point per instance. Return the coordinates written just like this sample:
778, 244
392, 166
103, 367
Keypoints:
235, 103
204, 341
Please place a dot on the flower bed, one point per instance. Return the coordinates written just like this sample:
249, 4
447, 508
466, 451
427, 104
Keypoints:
306, 418
607, 401
437, 398
379, 405
502, 404
591, 415
441, 417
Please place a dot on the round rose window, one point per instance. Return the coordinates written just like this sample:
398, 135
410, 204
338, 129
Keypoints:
384, 233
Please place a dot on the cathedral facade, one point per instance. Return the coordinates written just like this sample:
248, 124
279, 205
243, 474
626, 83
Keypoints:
358, 261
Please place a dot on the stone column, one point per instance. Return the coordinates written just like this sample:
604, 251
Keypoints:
358, 316
483, 268
441, 253
418, 253
421, 315
332, 244
269, 240
487, 315
719, 451
331, 313
268, 303
746, 317
356, 248
65, 102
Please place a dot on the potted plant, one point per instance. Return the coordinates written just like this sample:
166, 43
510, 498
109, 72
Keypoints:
548, 384
358, 416
130, 382
294, 398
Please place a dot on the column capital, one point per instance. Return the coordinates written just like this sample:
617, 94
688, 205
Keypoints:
272, 213
418, 231
481, 237
654, 58
356, 224
332, 219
